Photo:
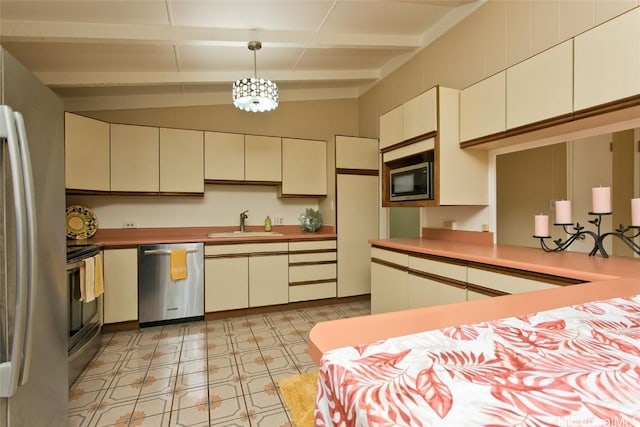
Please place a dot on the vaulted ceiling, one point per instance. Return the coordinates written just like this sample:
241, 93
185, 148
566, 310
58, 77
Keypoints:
190, 50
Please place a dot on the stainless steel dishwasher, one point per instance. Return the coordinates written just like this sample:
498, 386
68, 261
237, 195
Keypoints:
161, 299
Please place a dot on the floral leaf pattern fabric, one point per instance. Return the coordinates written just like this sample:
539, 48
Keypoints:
571, 366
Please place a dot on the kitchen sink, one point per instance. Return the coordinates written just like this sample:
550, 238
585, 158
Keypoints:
244, 234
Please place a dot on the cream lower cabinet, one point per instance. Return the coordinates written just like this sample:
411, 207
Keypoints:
434, 282
269, 279
503, 282
120, 285
388, 280
312, 270
226, 283
245, 275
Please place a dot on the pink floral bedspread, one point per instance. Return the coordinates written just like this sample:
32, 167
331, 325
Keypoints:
573, 366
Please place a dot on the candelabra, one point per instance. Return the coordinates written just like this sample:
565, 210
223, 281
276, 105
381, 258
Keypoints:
578, 232
601, 202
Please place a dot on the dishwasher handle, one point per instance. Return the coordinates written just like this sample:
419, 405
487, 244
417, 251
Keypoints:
165, 251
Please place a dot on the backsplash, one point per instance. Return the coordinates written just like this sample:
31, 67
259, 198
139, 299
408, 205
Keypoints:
220, 206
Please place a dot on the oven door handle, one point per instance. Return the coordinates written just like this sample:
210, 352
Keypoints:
32, 253
10, 369
165, 251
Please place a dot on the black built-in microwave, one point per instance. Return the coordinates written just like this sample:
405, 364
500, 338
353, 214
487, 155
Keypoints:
414, 182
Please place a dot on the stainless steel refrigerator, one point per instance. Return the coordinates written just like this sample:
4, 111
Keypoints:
33, 335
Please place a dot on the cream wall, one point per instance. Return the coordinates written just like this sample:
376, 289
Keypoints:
497, 35
304, 119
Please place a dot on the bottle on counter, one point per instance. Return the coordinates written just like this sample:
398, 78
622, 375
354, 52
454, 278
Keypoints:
267, 224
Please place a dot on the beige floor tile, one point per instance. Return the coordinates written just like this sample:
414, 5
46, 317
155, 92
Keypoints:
191, 366
93, 384
113, 414
123, 378
88, 401
273, 418
194, 379
144, 420
156, 404
190, 417
127, 393
227, 409
165, 358
258, 383
194, 354
162, 371
197, 396
154, 385
262, 402
219, 346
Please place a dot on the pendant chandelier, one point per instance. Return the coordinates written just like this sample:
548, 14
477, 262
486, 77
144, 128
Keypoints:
253, 94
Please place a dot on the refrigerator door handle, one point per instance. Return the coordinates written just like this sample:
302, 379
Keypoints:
32, 253
10, 369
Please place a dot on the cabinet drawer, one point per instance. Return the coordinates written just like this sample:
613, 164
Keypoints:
245, 248
397, 258
423, 292
311, 246
312, 291
439, 268
320, 256
504, 282
307, 273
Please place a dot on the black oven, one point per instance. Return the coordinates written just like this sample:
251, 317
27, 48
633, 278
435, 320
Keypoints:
84, 316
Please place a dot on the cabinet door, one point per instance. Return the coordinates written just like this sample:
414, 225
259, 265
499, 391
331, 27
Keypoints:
388, 289
607, 61
268, 280
181, 161
391, 124
419, 115
226, 283
541, 87
263, 158
427, 292
120, 285
304, 167
357, 222
86, 151
505, 282
483, 108
223, 156
135, 158
356, 153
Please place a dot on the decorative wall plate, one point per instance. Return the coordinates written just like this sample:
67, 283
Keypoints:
81, 222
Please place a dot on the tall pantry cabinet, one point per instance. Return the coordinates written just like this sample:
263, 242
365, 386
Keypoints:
357, 211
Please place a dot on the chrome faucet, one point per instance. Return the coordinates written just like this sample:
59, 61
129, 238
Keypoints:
243, 216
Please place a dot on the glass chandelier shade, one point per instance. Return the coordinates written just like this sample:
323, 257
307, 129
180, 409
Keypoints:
254, 94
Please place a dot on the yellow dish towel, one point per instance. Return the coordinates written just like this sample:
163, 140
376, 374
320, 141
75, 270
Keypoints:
89, 279
178, 264
98, 284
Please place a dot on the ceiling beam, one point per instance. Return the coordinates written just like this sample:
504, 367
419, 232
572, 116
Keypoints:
76, 32
108, 78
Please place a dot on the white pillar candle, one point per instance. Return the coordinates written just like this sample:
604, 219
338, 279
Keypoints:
541, 226
635, 212
563, 212
601, 200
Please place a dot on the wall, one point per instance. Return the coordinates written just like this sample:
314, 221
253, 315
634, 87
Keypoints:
221, 205
304, 119
497, 35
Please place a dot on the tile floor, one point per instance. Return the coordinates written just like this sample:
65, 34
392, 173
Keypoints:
214, 373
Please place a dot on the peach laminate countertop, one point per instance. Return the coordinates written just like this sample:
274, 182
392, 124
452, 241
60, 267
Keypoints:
608, 278
130, 237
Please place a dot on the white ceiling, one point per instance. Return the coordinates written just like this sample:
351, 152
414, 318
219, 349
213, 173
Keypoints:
122, 53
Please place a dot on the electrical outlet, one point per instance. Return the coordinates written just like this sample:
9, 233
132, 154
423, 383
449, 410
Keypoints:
449, 224
278, 220
130, 223
485, 227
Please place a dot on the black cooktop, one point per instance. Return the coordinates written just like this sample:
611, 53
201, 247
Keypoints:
79, 252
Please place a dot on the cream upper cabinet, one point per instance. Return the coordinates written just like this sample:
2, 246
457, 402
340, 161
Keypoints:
356, 153
420, 115
483, 108
391, 124
181, 161
462, 175
135, 158
86, 149
304, 167
607, 61
263, 158
541, 87
120, 285
223, 156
